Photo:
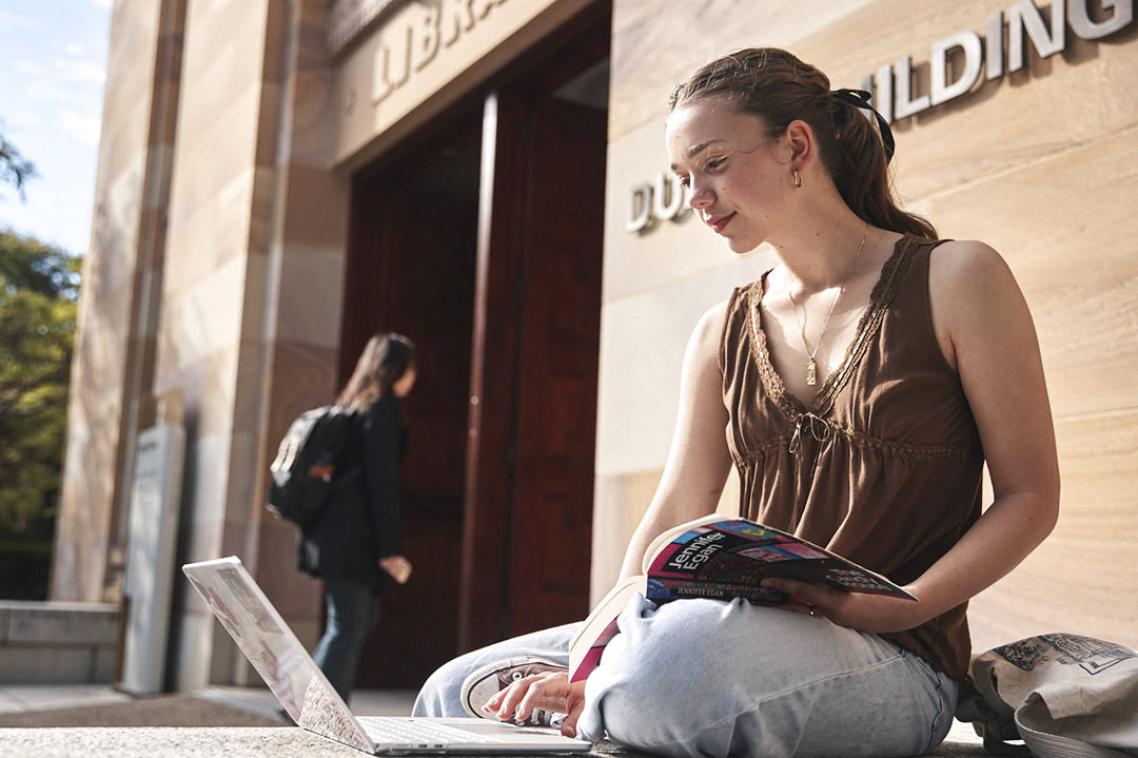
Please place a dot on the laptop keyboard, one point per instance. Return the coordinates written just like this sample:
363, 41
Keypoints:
418, 732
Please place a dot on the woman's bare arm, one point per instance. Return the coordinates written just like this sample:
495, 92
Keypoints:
996, 351
693, 479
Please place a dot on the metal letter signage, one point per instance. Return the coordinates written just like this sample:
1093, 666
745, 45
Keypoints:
942, 90
411, 41
893, 84
640, 208
1083, 27
663, 200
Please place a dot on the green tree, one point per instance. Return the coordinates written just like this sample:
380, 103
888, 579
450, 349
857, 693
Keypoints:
38, 307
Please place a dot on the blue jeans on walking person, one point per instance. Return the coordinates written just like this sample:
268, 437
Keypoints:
353, 610
715, 678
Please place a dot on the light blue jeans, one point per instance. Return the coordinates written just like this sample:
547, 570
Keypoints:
715, 678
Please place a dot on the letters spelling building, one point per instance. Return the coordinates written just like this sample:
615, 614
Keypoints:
280, 178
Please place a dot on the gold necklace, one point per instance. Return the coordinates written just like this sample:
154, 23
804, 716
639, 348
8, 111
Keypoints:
811, 365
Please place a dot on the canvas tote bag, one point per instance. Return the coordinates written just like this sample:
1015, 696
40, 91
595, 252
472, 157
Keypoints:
1066, 696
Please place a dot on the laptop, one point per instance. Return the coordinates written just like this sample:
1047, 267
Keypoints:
304, 692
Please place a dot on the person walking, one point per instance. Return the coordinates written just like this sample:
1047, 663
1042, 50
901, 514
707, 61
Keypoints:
355, 544
858, 387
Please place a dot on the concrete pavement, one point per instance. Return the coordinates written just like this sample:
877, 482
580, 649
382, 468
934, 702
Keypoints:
253, 741
22, 698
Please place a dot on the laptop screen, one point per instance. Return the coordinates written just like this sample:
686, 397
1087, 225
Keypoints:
275, 652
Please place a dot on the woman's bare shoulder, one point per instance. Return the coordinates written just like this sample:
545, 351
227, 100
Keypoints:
967, 273
713, 318
971, 287
965, 258
708, 330
703, 346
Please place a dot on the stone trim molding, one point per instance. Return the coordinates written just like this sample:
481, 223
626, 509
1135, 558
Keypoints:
351, 18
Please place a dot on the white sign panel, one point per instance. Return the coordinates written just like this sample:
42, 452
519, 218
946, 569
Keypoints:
150, 556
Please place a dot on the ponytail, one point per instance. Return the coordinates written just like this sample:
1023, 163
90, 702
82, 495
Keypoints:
860, 170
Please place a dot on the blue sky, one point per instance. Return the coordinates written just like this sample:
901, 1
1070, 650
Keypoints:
53, 56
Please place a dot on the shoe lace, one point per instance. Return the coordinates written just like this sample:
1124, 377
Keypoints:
542, 717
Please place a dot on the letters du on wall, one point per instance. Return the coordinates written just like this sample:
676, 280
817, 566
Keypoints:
1001, 50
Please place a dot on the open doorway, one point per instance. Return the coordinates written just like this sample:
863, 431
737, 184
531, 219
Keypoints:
482, 242
411, 270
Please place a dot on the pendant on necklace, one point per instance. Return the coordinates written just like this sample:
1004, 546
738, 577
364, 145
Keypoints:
811, 372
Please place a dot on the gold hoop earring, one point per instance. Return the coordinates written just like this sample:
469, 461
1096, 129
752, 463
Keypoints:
797, 179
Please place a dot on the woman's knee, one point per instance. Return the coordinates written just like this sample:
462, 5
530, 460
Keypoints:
665, 687
439, 695
644, 690
441, 692
651, 713
677, 671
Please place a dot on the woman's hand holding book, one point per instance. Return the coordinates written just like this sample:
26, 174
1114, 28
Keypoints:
879, 614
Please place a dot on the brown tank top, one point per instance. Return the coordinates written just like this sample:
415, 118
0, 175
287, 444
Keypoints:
884, 466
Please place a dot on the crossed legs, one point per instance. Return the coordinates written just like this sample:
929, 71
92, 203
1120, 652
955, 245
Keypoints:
712, 678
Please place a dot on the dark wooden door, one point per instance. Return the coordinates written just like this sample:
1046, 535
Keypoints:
411, 271
529, 488
557, 388
501, 290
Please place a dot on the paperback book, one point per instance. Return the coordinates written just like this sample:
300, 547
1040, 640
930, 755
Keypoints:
719, 557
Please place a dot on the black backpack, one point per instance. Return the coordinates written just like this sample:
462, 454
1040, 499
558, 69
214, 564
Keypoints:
304, 471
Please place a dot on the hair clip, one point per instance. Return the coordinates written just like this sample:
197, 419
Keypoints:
860, 98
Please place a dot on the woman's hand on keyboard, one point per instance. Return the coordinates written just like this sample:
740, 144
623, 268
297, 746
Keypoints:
550, 690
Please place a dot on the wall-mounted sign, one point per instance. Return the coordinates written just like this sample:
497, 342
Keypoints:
154, 507
892, 84
413, 39
662, 200
408, 60
893, 87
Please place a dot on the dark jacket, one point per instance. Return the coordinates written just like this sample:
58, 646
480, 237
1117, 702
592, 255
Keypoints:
361, 523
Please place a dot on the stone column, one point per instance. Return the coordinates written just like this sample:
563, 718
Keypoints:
251, 297
119, 305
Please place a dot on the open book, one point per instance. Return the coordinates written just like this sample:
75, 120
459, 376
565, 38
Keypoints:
719, 557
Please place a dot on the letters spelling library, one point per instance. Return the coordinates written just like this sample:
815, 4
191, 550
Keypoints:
279, 179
